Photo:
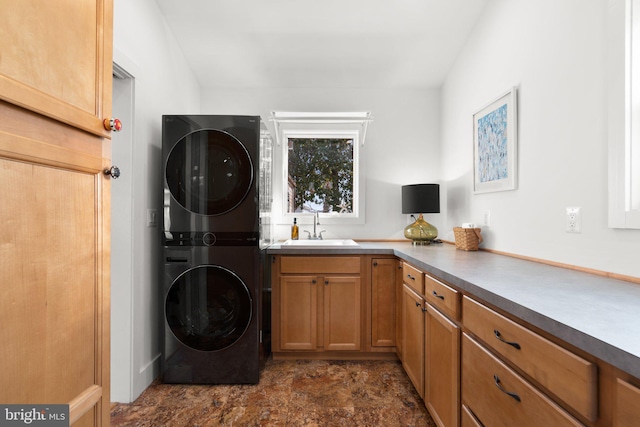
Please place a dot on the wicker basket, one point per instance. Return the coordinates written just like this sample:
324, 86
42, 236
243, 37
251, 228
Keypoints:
467, 239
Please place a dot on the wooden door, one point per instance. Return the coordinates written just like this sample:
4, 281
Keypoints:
298, 312
383, 302
55, 89
342, 320
413, 337
57, 59
442, 370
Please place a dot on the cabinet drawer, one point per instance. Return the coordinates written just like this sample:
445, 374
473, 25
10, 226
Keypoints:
443, 297
413, 277
569, 377
626, 409
468, 419
323, 265
500, 397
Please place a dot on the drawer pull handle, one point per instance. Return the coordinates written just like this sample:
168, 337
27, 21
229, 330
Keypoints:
511, 343
435, 294
514, 395
418, 304
411, 277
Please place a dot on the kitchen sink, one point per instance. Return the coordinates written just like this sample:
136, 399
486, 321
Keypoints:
328, 243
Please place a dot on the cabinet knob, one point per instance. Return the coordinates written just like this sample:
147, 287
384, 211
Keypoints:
113, 124
326, 282
113, 172
375, 264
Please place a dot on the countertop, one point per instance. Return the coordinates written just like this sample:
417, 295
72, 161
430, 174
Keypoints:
597, 314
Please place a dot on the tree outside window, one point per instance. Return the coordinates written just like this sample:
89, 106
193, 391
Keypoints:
320, 175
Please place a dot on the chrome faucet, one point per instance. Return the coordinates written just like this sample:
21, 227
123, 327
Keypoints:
316, 223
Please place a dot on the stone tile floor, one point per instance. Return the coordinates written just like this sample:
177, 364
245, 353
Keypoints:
290, 393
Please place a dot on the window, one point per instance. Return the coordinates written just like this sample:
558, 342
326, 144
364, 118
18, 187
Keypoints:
322, 173
624, 113
321, 160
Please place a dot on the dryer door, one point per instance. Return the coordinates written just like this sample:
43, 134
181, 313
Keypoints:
209, 172
208, 308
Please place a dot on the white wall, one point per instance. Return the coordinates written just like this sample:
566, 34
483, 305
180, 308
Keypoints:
146, 49
401, 147
554, 52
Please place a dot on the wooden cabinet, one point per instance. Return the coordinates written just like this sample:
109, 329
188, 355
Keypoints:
413, 323
498, 396
626, 406
317, 304
442, 368
55, 89
568, 376
383, 302
399, 310
442, 352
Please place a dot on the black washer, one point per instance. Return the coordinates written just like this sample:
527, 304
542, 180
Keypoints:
208, 308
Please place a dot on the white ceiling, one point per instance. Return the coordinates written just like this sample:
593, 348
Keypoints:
321, 43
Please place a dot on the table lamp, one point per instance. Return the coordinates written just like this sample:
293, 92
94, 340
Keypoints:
419, 199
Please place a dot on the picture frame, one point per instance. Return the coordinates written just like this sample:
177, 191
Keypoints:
495, 145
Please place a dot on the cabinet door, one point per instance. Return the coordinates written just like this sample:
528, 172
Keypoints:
342, 321
383, 302
413, 337
57, 59
298, 312
442, 374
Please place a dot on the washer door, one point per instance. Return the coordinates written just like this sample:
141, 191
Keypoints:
208, 308
209, 172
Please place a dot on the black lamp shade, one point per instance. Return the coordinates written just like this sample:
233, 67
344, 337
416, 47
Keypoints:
420, 198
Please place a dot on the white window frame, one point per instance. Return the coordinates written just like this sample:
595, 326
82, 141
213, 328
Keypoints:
357, 215
624, 141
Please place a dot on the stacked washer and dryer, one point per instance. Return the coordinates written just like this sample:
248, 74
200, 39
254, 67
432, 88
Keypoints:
217, 203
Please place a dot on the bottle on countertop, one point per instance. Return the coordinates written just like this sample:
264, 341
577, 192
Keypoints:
294, 229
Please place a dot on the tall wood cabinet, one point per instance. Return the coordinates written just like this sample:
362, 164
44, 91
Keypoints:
55, 91
442, 352
413, 315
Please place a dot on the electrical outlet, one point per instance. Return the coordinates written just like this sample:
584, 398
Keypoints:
486, 218
574, 220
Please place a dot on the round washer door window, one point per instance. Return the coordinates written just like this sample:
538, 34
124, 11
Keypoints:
209, 172
208, 308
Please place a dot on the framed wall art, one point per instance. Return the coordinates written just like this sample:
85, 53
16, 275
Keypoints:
495, 145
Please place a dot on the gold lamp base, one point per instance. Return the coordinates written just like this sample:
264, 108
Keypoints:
421, 232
